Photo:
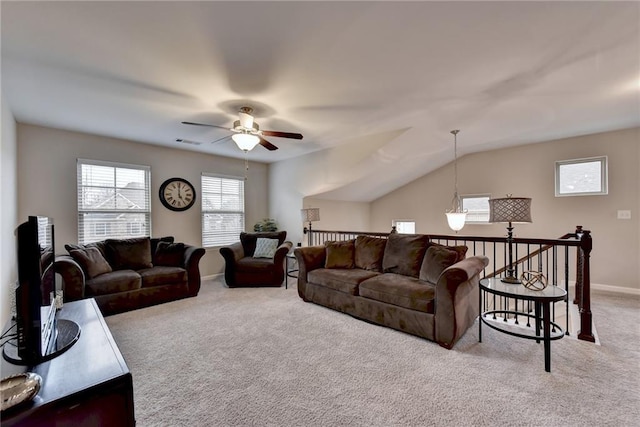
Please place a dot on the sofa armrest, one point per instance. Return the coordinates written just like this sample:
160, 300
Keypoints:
72, 277
231, 254
191, 263
457, 299
281, 252
309, 258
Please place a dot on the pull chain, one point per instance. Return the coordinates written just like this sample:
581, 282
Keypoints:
246, 165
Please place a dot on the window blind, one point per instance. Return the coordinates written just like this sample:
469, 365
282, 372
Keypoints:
222, 210
113, 201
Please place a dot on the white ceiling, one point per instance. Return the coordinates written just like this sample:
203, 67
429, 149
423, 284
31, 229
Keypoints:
505, 73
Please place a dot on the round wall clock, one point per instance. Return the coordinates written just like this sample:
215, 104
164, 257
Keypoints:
177, 194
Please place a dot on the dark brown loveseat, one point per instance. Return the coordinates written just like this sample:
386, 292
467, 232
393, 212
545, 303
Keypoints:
242, 268
406, 282
126, 274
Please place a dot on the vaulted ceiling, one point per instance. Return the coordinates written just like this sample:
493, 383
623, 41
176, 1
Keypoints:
505, 73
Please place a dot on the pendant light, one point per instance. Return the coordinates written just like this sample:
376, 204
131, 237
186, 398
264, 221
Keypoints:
456, 216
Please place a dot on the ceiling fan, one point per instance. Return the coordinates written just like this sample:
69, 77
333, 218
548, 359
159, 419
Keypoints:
246, 132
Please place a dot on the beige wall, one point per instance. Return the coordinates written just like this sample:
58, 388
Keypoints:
9, 211
528, 171
47, 182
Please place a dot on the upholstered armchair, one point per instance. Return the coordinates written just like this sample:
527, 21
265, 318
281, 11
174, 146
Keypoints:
256, 260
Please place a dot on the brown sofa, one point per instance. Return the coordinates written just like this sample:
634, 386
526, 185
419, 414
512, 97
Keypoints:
243, 269
126, 274
404, 282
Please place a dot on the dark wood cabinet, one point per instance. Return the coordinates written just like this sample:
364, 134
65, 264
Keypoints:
88, 385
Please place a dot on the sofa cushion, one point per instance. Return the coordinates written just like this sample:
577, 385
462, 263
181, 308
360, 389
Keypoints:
154, 245
114, 282
404, 253
339, 254
134, 254
91, 260
265, 248
369, 252
436, 259
460, 250
169, 254
254, 265
339, 279
162, 275
400, 290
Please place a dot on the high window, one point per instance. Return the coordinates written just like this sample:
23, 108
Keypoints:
581, 177
222, 210
477, 207
113, 200
404, 226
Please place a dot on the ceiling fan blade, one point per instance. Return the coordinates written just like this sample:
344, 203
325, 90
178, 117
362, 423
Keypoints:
282, 134
221, 139
205, 124
266, 144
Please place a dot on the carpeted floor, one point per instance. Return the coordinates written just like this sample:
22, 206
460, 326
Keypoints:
263, 357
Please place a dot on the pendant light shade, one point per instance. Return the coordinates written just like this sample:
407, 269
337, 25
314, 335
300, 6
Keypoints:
456, 216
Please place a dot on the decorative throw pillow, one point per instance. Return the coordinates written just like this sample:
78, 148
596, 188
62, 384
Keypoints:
134, 254
436, 260
154, 244
265, 248
460, 250
404, 253
169, 254
340, 254
369, 252
91, 260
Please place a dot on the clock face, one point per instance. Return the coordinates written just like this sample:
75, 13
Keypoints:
177, 194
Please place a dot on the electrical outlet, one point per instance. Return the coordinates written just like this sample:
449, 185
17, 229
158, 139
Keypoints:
624, 214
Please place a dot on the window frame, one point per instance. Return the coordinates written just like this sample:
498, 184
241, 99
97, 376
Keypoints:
476, 196
604, 178
85, 226
206, 242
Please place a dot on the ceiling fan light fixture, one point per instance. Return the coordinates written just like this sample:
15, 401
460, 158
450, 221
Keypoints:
246, 120
245, 141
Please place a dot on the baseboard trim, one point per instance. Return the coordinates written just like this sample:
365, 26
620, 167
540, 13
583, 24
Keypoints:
610, 288
211, 277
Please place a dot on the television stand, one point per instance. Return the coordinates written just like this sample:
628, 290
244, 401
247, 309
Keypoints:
88, 384
67, 333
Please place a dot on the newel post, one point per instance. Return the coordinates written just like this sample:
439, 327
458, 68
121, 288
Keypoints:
586, 245
577, 296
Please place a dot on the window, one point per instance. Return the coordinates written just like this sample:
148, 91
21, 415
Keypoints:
477, 207
581, 177
113, 201
222, 210
404, 226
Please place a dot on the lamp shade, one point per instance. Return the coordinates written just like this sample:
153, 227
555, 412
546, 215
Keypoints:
310, 214
510, 209
245, 141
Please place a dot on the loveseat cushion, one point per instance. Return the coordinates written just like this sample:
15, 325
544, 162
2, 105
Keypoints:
91, 260
369, 252
169, 254
114, 282
340, 254
403, 254
436, 259
134, 254
340, 279
162, 275
403, 291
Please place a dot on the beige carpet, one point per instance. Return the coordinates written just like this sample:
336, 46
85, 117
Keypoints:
262, 357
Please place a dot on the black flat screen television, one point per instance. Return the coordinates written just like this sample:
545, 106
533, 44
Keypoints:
36, 282
37, 335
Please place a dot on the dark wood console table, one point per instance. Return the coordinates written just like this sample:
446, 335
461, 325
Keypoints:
89, 384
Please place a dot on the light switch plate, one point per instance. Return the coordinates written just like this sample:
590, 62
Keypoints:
624, 214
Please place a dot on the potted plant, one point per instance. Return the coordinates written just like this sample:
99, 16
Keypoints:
266, 224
